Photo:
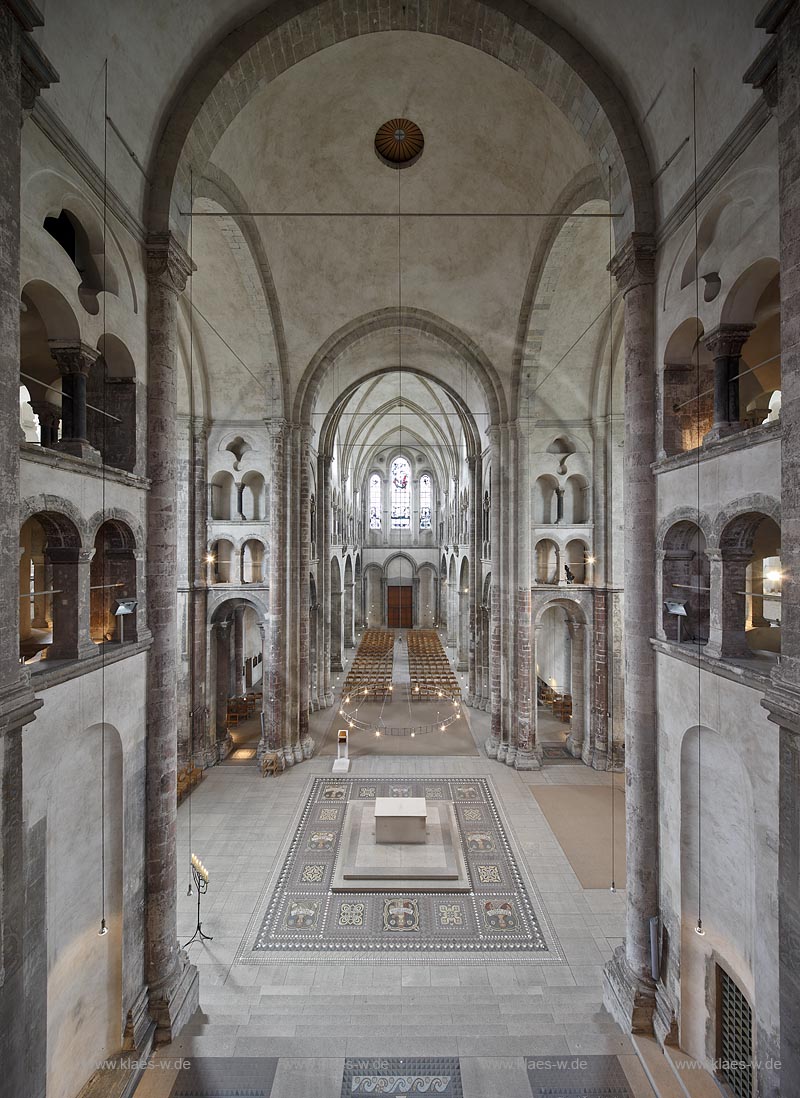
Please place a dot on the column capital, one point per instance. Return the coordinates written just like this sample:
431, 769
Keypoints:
635, 262
782, 703
276, 428
168, 262
727, 339
72, 357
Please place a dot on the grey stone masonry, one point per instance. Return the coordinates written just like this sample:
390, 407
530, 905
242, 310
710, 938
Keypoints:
23, 72
725, 343
629, 990
74, 360
777, 72
172, 981
273, 684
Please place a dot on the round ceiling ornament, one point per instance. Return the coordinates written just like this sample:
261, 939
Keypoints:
399, 143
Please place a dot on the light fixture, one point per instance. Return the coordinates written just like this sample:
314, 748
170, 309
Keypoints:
441, 728
699, 928
591, 560
103, 929
209, 558
774, 576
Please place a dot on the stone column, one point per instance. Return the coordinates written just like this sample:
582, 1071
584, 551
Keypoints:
198, 592
221, 646
629, 991
495, 636
529, 752
24, 70
70, 576
725, 344
595, 751
49, 419
474, 463
726, 635
305, 742
172, 980
238, 652
507, 749
777, 71
576, 740
273, 679
324, 540
74, 361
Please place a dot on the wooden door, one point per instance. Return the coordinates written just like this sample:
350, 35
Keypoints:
399, 607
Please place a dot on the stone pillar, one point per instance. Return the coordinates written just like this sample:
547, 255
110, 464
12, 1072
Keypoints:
70, 576
495, 636
507, 749
576, 740
305, 742
529, 753
324, 518
49, 419
198, 593
274, 679
292, 751
172, 980
74, 361
777, 71
238, 652
726, 635
629, 991
221, 647
39, 620
24, 70
725, 343
474, 462
595, 753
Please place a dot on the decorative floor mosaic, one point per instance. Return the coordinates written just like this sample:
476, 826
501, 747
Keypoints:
577, 1077
225, 1077
497, 915
438, 1075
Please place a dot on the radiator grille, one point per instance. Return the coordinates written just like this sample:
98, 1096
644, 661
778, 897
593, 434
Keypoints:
736, 1038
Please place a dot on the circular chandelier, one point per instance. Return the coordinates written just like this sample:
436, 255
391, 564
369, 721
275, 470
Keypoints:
380, 729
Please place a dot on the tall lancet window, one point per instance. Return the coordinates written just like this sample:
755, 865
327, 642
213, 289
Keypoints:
401, 494
425, 501
374, 502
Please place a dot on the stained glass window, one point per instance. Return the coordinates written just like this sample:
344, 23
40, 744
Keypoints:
401, 494
425, 501
374, 502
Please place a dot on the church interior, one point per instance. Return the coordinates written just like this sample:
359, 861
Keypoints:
399, 619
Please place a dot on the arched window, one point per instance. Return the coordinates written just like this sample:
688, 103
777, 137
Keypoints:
374, 502
401, 494
425, 501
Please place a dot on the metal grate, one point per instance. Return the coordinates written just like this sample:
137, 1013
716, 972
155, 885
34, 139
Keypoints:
735, 1038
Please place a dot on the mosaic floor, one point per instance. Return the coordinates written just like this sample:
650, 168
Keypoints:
548, 1077
501, 913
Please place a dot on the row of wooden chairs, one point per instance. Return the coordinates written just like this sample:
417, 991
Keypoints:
431, 675
370, 674
561, 704
240, 709
188, 778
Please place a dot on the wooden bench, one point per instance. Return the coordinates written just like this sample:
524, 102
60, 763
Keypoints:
189, 777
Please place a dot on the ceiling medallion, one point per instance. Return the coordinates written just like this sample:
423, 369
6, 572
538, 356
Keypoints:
399, 143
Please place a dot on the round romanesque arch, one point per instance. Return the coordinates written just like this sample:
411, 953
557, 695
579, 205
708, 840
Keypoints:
236, 67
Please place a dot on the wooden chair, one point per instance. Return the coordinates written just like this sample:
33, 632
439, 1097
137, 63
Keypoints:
270, 764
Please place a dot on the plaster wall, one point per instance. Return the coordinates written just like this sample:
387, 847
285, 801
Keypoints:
91, 981
739, 822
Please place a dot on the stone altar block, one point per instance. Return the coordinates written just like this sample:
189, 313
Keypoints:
401, 820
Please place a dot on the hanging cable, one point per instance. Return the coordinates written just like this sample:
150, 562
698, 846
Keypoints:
104, 562
192, 526
609, 637
699, 926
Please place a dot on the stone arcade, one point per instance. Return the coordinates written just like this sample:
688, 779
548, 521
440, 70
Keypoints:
428, 371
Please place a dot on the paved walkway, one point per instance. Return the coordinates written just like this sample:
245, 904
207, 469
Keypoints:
493, 1019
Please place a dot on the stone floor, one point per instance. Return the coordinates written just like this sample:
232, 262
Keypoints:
499, 1021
